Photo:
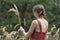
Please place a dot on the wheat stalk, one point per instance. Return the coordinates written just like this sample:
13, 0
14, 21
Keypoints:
54, 27
15, 9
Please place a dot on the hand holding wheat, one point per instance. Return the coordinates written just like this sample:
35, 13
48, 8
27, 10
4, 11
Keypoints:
21, 29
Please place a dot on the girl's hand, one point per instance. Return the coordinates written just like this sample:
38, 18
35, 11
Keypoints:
21, 29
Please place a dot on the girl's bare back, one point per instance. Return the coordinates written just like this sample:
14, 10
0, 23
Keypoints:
44, 25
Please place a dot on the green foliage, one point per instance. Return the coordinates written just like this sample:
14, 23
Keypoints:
10, 18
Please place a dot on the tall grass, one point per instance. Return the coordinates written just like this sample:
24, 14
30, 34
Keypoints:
15, 35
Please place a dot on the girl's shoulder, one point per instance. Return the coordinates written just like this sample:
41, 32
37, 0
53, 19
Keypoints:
35, 22
46, 21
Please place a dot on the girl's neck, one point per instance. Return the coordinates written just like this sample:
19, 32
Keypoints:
40, 17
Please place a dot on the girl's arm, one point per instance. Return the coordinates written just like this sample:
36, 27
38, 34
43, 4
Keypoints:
30, 31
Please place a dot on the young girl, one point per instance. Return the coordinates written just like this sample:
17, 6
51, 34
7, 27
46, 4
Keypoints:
39, 27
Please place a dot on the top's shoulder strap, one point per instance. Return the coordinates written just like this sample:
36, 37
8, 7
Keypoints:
39, 23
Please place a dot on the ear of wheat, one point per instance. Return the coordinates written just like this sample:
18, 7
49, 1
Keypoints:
15, 9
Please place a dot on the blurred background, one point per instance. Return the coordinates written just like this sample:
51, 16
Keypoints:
8, 20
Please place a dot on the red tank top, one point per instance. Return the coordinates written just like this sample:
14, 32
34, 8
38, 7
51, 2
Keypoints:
38, 35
